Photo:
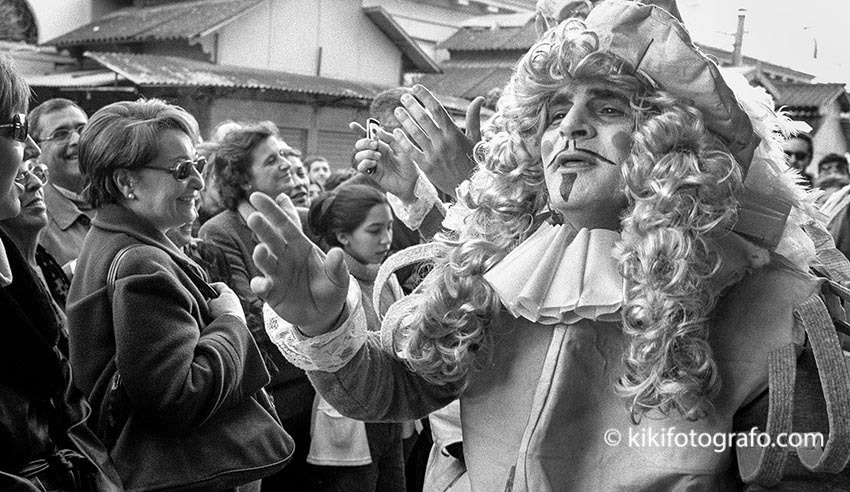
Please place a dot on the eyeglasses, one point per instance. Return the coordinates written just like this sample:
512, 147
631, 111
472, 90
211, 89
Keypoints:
63, 134
181, 170
797, 155
40, 171
19, 127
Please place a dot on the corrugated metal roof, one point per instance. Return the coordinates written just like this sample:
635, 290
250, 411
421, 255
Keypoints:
86, 78
467, 82
171, 21
491, 38
155, 70
795, 94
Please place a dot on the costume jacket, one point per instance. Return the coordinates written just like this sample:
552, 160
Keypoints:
178, 364
541, 414
42, 414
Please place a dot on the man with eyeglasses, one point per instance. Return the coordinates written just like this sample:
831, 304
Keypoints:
798, 152
56, 125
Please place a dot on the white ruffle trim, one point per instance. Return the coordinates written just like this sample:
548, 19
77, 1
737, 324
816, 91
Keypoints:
553, 277
412, 214
327, 352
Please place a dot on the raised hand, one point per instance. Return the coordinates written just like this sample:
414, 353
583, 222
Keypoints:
300, 283
446, 151
389, 160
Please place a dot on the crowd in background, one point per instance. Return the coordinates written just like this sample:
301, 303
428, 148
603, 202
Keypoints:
130, 260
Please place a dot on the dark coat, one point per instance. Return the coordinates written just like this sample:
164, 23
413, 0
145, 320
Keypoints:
41, 411
290, 387
179, 366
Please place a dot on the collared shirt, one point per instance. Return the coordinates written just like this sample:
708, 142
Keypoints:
70, 218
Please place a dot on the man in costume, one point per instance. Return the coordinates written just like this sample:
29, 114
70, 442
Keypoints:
630, 258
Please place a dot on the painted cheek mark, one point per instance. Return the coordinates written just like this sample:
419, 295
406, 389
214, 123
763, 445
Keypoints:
567, 181
622, 141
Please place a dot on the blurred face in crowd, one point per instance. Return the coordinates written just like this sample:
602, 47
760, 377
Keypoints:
13, 153
160, 198
832, 168
30, 184
270, 168
370, 242
300, 191
586, 138
319, 171
798, 153
313, 190
58, 138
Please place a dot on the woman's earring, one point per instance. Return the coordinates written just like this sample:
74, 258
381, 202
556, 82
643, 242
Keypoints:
131, 196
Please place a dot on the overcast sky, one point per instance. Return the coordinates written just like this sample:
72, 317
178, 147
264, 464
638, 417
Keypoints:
783, 32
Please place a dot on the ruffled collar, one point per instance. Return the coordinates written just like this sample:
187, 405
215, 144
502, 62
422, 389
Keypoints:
558, 275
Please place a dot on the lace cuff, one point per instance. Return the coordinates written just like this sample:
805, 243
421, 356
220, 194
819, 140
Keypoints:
412, 214
327, 352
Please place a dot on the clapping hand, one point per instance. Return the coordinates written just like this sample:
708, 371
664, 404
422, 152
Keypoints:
446, 151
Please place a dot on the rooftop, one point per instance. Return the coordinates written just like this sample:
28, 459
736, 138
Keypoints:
185, 20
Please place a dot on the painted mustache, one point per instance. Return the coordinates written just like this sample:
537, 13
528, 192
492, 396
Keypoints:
565, 144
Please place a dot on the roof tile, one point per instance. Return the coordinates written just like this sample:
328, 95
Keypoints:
489, 39
169, 21
172, 71
796, 94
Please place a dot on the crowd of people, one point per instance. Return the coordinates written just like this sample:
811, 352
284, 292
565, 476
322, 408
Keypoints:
631, 244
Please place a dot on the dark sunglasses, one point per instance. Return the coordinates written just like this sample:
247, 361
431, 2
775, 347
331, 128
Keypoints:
182, 170
19, 127
797, 155
39, 171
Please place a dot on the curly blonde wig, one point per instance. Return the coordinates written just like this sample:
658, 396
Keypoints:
680, 181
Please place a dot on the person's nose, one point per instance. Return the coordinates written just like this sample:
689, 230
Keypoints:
74, 137
387, 237
196, 180
33, 183
31, 149
576, 124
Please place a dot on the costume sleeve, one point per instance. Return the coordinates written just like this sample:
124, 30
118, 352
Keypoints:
355, 373
177, 373
425, 213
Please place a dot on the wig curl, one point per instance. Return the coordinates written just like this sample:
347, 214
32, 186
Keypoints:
680, 181
682, 184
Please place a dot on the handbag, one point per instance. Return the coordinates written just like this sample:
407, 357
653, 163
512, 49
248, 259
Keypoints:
235, 446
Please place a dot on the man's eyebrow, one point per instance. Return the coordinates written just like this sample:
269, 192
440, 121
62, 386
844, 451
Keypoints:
605, 93
561, 98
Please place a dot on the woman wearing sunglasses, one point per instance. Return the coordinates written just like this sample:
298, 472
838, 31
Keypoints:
44, 441
25, 230
169, 365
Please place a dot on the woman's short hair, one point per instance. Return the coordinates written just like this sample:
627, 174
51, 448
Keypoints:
14, 91
233, 160
342, 210
125, 135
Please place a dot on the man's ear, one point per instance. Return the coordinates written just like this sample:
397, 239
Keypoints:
125, 181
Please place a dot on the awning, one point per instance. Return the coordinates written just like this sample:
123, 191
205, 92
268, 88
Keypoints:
385, 22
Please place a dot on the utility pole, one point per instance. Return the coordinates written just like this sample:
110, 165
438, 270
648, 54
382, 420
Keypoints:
737, 52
